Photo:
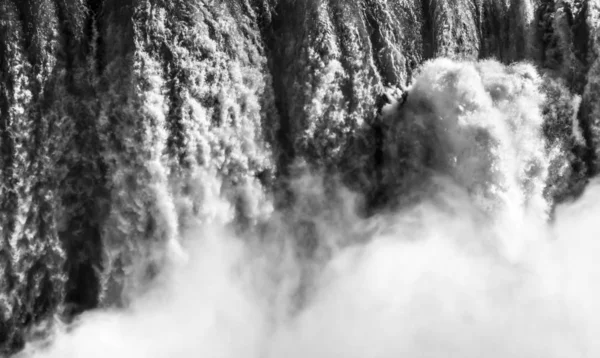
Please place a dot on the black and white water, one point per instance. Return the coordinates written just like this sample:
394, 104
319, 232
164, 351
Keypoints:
285, 178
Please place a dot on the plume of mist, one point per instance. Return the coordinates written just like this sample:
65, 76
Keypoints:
429, 282
441, 277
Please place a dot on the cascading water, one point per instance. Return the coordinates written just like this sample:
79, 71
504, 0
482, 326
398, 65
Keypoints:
298, 178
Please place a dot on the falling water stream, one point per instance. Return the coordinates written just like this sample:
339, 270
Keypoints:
261, 179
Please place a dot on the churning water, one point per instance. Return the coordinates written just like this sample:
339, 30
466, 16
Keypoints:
471, 260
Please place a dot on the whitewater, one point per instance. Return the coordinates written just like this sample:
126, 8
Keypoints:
469, 256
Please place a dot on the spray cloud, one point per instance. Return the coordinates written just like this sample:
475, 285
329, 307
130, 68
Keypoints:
468, 267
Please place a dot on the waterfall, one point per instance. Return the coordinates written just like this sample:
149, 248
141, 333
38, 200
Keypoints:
270, 178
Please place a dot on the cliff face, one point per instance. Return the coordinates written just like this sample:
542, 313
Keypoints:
113, 110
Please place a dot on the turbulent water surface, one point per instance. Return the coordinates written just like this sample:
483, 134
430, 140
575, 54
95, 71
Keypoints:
286, 178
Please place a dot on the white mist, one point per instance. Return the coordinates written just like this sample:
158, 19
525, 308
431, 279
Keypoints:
447, 276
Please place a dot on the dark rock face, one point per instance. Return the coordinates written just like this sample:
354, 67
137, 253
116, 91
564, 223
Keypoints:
108, 105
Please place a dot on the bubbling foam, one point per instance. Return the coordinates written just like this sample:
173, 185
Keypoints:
480, 124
